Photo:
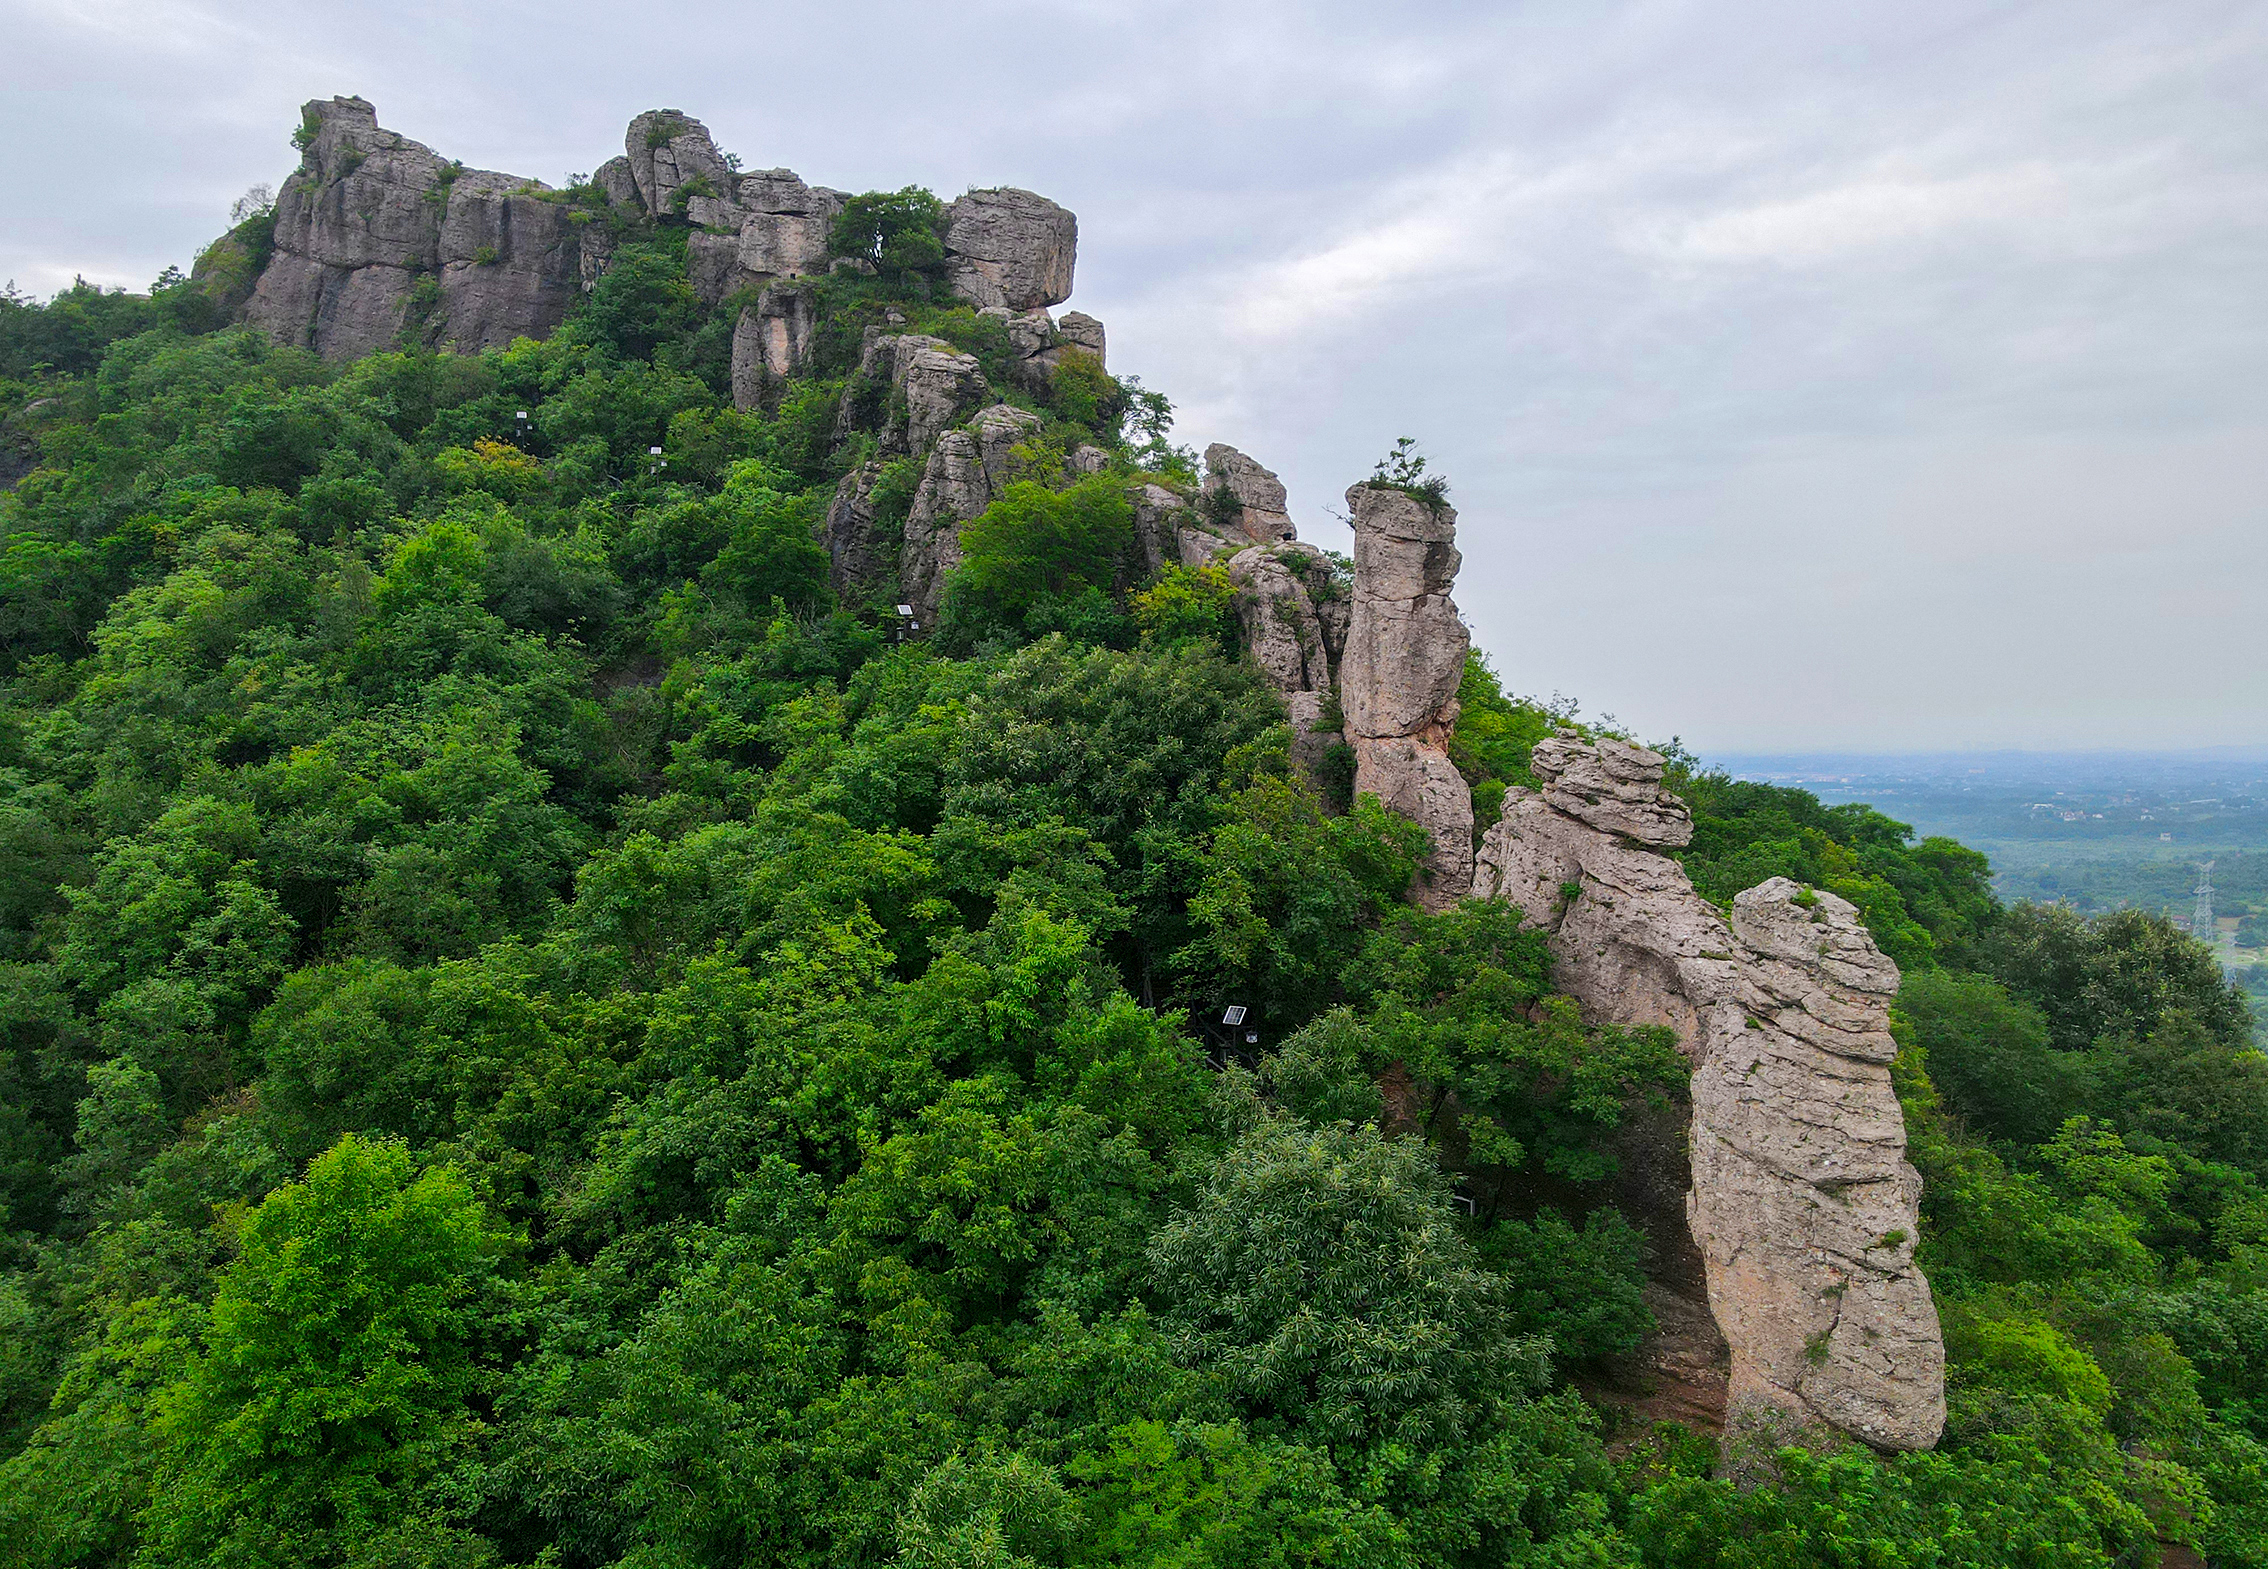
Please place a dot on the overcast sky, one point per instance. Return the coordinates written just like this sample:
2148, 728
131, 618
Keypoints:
1866, 376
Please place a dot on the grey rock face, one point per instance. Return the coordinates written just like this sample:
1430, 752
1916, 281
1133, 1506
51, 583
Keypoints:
1802, 1203
1084, 333
369, 213
785, 232
1281, 629
621, 186
1244, 497
1284, 635
911, 389
1611, 785
1405, 658
770, 341
1159, 516
356, 205
856, 562
712, 264
1010, 248
672, 161
966, 472
511, 263
1039, 343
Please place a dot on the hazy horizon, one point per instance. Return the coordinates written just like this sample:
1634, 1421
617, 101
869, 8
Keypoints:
1805, 379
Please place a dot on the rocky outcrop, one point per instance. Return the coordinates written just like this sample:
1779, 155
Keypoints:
672, 161
909, 389
1038, 343
1802, 1203
370, 214
511, 262
966, 472
1160, 515
771, 341
1284, 635
1010, 248
857, 559
1243, 498
1405, 658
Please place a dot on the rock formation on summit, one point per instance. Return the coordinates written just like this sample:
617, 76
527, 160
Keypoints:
1398, 683
1802, 1203
369, 215
1246, 498
1010, 248
1290, 602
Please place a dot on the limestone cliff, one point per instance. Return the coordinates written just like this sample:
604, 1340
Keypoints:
1802, 1202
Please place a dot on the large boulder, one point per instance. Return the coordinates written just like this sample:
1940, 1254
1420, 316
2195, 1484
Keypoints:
1245, 498
672, 161
1405, 658
1010, 248
1802, 1204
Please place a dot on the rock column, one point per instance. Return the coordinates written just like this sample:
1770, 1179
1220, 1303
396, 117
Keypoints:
1405, 659
1802, 1204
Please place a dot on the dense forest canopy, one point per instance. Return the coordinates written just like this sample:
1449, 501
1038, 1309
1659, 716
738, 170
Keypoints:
535, 1033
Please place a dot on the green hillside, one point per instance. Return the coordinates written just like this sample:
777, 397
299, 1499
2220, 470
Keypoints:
535, 1034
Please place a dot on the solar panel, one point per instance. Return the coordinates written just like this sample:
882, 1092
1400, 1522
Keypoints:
1234, 1016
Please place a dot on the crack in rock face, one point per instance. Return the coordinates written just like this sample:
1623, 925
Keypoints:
1802, 1202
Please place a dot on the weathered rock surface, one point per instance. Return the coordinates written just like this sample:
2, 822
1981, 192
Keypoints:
771, 340
621, 185
354, 229
672, 160
369, 213
909, 390
966, 472
1245, 498
1405, 658
1010, 248
511, 262
1612, 785
857, 561
1802, 1203
1159, 517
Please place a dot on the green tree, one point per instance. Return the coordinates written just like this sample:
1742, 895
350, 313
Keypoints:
331, 1402
900, 234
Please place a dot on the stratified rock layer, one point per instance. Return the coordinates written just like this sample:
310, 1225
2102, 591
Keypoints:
1398, 683
1802, 1202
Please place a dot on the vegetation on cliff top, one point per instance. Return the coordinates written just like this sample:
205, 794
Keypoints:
535, 1034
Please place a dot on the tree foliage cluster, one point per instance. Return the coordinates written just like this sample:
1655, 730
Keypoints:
535, 1034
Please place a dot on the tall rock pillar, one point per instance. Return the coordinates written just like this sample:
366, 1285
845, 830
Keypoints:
1802, 1203
1398, 681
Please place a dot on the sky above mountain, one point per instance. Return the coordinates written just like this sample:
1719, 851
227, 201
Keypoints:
1805, 376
